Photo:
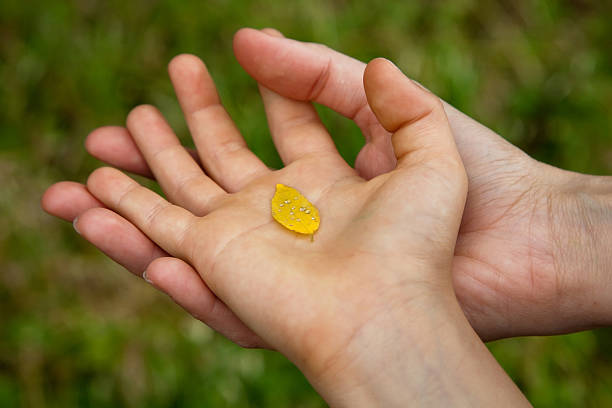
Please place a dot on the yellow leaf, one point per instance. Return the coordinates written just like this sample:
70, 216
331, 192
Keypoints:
293, 211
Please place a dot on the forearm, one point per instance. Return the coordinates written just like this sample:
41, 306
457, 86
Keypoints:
442, 363
581, 226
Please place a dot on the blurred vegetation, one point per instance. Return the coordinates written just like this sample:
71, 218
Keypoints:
77, 330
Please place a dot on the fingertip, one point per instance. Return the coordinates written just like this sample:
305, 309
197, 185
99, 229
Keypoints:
115, 146
95, 176
67, 200
98, 138
394, 98
380, 63
380, 77
192, 83
141, 113
248, 32
273, 32
241, 41
244, 33
178, 59
184, 64
92, 141
381, 70
48, 201
248, 43
101, 177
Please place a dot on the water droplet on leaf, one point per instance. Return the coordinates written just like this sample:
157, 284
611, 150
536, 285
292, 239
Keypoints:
282, 214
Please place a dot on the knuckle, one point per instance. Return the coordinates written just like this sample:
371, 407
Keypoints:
321, 81
228, 148
185, 187
126, 195
160, 156
154, 212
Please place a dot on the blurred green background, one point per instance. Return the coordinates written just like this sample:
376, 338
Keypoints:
78, 330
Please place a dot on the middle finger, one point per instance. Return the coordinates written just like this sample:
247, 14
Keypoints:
224, 153
178, 174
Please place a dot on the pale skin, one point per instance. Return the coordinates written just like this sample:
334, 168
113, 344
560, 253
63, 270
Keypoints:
378, 275
531, 254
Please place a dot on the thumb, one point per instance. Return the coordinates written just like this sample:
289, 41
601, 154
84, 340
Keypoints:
414, 115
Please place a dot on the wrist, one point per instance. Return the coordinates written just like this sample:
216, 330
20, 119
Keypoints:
428, 356
581, 227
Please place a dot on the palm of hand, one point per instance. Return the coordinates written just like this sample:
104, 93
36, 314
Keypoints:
322, 292
393, 234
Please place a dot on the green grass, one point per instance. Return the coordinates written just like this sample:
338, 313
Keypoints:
77, 330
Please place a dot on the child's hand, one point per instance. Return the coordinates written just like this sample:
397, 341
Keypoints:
375, 284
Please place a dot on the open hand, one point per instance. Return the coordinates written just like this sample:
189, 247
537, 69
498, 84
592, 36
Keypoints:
383, 250
508, 272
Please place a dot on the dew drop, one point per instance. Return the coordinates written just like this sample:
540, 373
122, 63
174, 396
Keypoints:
291, 198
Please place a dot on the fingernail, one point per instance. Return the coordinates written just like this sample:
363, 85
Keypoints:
74, 225
146, 278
